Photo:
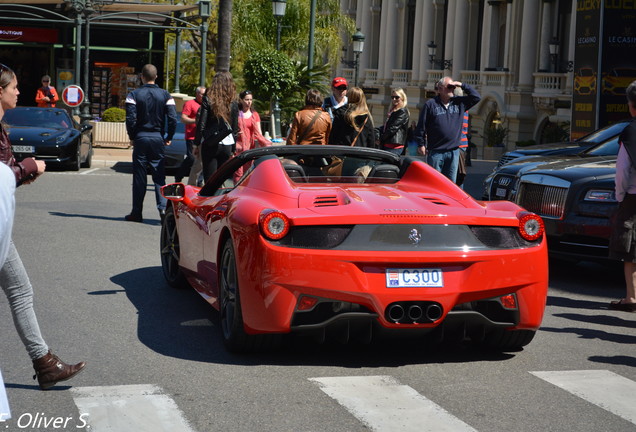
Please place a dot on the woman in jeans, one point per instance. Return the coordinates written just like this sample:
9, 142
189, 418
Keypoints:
14, 280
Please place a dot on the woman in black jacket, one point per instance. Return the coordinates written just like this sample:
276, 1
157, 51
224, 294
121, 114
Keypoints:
394, 133
217, 123
359, 130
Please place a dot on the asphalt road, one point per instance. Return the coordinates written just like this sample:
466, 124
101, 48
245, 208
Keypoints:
156, 362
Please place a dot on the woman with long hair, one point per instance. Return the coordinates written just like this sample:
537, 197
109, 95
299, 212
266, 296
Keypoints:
394, 133
249, 129
360, 131
49, 369
219, 112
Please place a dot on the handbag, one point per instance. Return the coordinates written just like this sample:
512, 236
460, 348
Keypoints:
213, 136
335, 167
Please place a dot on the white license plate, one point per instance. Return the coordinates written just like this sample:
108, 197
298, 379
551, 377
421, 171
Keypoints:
22, 149
500, 192
416, 278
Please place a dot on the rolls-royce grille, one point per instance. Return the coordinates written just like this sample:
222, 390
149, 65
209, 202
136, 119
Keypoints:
546, 201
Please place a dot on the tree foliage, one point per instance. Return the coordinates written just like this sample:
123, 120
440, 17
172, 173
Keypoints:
253, 38
269, 73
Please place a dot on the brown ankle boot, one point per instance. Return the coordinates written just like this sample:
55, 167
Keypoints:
50, 370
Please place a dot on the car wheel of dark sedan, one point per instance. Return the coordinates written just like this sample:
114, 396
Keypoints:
77, 161
170, 252
508, 340
89, 157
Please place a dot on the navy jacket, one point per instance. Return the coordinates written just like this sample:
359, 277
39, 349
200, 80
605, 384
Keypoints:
440, 127
148, 109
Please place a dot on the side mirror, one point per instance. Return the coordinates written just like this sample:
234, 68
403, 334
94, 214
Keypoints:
174, 191
86, 127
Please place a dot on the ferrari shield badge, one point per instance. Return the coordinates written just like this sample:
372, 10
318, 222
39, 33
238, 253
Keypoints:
415, 237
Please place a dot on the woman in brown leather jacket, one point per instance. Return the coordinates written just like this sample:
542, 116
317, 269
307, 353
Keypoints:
311, 125
49, 369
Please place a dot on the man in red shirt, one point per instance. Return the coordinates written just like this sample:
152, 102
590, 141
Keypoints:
46, 95
189, 117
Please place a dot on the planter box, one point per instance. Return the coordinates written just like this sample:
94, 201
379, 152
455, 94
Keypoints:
109, 134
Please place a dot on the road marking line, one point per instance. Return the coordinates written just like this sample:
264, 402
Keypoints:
603, 388
131, 408
89, 171
383, 404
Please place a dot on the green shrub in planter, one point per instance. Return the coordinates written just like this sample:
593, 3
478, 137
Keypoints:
114, 114
527, 143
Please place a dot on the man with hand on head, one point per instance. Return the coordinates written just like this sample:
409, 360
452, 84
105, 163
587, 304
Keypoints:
439, 129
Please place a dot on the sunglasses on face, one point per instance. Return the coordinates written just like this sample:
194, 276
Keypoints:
395, 97
341, 88
45, 81
451, 87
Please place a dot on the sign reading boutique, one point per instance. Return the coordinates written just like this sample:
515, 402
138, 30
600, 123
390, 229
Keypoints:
28, 34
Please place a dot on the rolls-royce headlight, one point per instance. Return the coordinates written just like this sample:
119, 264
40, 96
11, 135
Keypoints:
600, 195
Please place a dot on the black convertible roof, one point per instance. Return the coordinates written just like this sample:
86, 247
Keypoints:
316, 150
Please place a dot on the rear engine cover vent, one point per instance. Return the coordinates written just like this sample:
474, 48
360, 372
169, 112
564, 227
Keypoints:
435, 200
326, 200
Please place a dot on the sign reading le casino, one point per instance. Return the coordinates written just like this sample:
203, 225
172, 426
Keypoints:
605, 48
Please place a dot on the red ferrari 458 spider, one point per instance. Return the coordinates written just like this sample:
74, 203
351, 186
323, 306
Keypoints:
342, 241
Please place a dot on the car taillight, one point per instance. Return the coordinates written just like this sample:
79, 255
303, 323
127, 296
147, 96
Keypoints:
531, 226
274, 224
509, 301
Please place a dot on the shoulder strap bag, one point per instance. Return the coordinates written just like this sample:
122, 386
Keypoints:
302, 136
360, 131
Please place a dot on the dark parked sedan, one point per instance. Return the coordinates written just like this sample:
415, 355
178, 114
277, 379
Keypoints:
576, 200
502, 183
175, 153
51, 135
566, 148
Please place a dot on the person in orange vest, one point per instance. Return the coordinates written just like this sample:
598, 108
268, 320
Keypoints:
46, 95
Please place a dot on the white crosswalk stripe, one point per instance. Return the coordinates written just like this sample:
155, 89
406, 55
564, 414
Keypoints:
603, 388
383, 404
138, 408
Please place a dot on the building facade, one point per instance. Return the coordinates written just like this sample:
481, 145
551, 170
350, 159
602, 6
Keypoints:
517, 53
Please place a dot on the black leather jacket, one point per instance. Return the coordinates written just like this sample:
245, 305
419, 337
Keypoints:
395, 131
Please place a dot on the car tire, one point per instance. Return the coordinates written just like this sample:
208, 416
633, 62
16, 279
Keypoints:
77, 162
231, 312
508, 340
170, 250
89, 157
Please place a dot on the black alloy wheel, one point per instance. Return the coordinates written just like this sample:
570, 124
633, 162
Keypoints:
89, 156
231, 313
77, 161
170, 251
234, 335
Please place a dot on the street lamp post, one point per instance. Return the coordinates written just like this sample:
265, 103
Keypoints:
554, 52
358, 47
278, 8
432, 49
204, 13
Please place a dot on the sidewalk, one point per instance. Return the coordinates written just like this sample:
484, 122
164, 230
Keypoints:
107, 157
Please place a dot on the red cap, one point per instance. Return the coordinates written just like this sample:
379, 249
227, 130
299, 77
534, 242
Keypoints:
338, 81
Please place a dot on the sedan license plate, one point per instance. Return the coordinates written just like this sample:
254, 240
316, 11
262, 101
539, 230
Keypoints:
22, 149
501, 192
414, 278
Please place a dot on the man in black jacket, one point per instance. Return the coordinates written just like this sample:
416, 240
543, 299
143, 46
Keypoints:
147, 109
336, 105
